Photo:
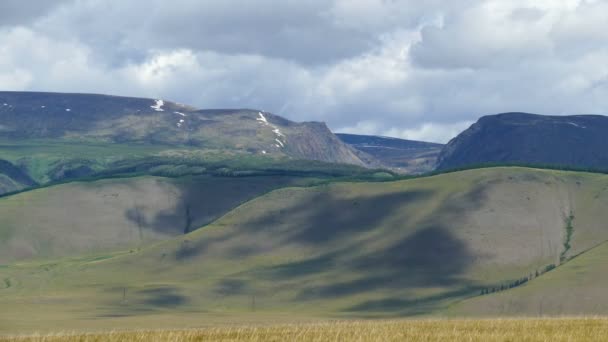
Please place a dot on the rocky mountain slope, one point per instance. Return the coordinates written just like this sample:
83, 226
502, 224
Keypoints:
52, 137
406, 156
101, 118
577, 141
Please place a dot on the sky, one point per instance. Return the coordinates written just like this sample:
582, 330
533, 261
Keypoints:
422, 70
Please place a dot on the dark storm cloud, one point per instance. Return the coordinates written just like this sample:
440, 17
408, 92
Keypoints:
416, 69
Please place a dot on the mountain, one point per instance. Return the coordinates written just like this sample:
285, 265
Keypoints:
566, 141
348, 249
53, 137
101, 118
405, 156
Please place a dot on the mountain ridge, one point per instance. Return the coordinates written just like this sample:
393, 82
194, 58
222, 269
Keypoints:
516, 137
110, 118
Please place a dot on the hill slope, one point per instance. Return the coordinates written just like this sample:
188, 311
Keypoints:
380, 249
114, 214
573, 141
406, 156
576, 288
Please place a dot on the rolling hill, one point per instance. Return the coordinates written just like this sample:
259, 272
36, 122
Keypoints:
575, 141
411, 247
405, 156
113, 214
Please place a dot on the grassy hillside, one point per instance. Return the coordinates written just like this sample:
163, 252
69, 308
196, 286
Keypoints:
114, 214
576, 288
349, 249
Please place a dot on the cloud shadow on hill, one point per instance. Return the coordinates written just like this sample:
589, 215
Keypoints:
324, 217
431, 256
201, 201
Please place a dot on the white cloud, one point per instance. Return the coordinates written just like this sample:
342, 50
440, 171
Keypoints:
432, 132
413, 69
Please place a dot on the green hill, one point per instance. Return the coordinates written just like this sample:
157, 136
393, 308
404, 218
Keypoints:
578, 288
412, 247
113, 214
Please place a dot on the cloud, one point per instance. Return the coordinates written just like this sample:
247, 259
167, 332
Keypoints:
20, 12
434, 132
413, 69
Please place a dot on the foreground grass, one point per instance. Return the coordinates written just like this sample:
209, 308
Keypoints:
557, 329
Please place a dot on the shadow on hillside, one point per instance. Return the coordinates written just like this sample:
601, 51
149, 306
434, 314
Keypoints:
324, 218
321, 219
400, 306
163, 297
133, 302
430, 257
201, 201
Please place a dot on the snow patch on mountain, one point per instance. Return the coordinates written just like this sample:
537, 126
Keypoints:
575, 125
158, 105
262, 118
279, 135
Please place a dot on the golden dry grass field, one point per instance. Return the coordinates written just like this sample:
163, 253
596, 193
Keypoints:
521, 329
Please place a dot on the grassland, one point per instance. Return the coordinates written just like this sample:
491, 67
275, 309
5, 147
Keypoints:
340, 250
486, 330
